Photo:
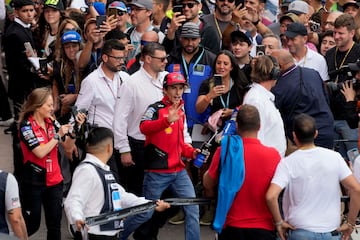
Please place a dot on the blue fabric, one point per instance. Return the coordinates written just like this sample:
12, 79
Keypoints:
231, 178
230, 125
300, 234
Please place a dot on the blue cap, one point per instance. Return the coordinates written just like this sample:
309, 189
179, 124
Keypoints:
118, 5
100, 7
71, 36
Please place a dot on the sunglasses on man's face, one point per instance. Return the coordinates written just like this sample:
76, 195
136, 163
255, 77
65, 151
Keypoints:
189, 5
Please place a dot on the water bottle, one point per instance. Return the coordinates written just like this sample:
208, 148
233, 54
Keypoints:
201, 156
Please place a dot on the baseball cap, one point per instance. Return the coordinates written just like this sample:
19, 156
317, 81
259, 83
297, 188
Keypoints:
70, 36
118, 5
174, 78
292, 16
350, 3
20, 3
285, 3
190, 30
56, 4
355, 66
298, 7
240, 36
147, 4
295, 29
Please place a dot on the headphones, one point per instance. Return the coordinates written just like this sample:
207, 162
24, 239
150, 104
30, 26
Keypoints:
275, 71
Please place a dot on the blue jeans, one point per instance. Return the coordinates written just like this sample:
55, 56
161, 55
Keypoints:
301, 234
154, 185
343, 131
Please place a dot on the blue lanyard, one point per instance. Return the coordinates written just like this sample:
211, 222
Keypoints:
195, 63
228, 96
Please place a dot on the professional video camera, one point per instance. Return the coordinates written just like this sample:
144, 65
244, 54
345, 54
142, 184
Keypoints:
343, 70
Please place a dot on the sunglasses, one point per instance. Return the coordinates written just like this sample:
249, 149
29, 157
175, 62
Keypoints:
229, 1
120, 12
162, 59
189, 5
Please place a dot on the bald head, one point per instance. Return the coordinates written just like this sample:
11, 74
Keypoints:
284, 58
330, 20
150, 36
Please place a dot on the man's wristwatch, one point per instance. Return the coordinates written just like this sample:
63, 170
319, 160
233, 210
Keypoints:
256, 22
57, 137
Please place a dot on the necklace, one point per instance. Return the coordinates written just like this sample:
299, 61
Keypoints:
343, 60
218, 27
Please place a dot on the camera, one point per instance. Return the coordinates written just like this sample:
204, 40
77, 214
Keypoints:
314, 26
260, 50
337, 86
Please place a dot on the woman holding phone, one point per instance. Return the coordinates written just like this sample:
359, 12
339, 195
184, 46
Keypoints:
42, 181
226, 89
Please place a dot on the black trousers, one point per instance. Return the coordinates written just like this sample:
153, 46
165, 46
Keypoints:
132, 178
5, 111
233, 233
51, 198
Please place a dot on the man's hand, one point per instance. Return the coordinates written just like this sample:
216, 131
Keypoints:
174, 114
346, 229
161, 206
283, 228
177, 20
348, 91
79, 224
126, 159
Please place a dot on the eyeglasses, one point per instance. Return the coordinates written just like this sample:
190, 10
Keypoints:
133, 9
229, 1
330, 23
162, 59
116, 58
189, 5
120, 12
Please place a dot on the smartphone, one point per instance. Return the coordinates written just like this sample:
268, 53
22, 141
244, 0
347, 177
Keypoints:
260, 50
29, 48
99, 20
352, 154
43, 66
178, 8
111, 11
217, 80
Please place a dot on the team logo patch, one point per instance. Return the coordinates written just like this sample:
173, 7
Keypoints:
168, 130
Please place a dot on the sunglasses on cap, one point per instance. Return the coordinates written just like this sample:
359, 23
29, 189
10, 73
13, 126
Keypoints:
144, 43
229, 1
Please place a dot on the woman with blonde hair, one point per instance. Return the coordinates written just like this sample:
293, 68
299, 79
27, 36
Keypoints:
42, 181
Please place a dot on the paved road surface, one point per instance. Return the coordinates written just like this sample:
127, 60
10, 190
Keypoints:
167, 232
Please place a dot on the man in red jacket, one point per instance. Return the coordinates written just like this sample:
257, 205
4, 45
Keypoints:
163, 126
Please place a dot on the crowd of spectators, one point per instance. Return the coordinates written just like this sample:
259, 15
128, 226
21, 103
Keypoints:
107, 60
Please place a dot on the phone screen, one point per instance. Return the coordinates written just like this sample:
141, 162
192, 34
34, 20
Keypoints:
217, 80
99, 20
112, 11
260, 50
178, 8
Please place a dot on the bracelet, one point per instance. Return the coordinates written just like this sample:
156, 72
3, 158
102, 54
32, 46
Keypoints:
279, 223
350, 225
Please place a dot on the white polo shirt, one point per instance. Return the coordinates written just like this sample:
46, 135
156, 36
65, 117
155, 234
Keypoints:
314, 61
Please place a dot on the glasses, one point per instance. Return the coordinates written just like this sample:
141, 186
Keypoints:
162, 59
189, 5
229, 1
135, 10
116, 58
120, 12
330, 23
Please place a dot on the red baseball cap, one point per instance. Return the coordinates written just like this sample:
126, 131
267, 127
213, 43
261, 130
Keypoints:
174, 78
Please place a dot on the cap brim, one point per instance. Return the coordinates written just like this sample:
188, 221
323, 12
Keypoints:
355, 4
137, 5
295, 12
190, 36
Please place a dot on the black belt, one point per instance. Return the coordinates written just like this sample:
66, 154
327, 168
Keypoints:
335, 233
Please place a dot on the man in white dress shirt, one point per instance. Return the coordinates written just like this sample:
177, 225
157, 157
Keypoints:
99, 89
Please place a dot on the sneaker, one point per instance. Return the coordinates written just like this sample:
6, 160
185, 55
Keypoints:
208, 216
179, 218
7, 123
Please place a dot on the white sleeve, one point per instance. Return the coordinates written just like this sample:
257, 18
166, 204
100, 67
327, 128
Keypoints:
129, 199
324, 70
12, 199
344, 170
356, 168
281, 176
86, 94
123, 107
79, 195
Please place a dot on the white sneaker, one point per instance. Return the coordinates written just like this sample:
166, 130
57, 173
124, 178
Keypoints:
7, 123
